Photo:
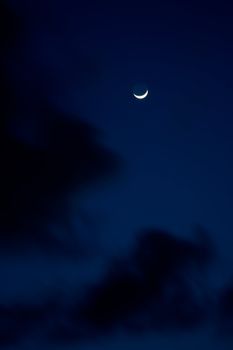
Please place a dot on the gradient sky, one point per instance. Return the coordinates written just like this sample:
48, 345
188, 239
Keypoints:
177, 144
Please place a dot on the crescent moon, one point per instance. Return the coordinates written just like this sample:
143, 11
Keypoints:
140, 97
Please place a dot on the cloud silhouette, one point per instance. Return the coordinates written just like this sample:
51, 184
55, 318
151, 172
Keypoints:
225, 311
21, 319
158, 287
36, 183
46, 155
17, 320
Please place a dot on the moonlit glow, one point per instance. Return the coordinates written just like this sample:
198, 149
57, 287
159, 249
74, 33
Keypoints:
141, 97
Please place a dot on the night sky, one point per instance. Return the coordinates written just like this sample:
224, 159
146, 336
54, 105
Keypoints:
116, 223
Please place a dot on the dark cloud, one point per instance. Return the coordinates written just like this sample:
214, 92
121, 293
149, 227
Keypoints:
10, 30
160, 253
47, 158
158, 286
36, 182
46, 155
10, 331
225, 311
17, 320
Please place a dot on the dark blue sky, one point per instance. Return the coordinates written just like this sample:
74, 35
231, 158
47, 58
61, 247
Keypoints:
176, 144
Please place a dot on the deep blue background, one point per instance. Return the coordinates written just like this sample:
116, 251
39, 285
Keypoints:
177, 144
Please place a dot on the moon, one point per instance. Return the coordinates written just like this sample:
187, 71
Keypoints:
141, 97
